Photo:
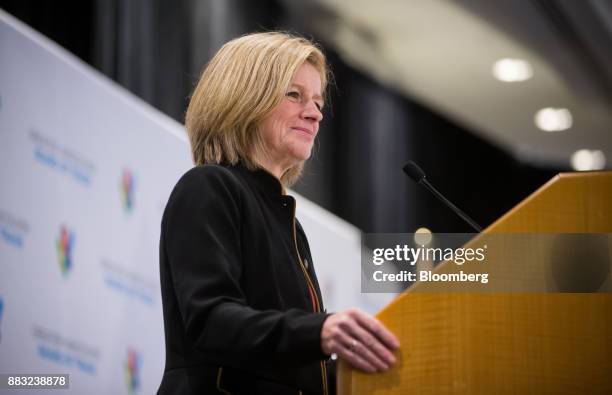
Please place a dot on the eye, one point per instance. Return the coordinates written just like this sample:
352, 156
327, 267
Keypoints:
293, 94
319, 106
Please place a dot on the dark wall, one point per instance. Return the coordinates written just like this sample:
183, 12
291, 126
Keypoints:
371, 131
69, 24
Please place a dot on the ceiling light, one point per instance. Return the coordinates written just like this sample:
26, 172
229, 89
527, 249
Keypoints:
553, 119
422, 236
584, 160
512, 70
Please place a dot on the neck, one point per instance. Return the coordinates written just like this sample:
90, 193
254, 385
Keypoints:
274, 168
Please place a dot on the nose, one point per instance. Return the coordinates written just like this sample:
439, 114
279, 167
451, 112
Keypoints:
311, 112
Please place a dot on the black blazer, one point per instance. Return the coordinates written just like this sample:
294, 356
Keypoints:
242, 306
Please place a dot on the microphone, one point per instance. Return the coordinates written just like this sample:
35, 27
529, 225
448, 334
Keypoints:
418, 175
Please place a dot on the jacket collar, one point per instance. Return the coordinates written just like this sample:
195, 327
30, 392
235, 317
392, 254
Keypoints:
262, 179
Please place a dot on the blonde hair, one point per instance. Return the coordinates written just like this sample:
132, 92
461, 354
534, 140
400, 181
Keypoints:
245, 80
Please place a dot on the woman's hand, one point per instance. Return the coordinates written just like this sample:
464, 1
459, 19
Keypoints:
360, 339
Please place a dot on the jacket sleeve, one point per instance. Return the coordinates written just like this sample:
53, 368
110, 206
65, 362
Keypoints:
201, 229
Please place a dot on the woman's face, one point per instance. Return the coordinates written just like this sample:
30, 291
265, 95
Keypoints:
290, 129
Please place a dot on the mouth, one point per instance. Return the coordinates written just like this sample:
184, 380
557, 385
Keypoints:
304, 130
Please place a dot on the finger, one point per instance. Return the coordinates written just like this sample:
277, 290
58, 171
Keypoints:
375, 327
355, 359
363, 344
367, 354
380, 353
350, 348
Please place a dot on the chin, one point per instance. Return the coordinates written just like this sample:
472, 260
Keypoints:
302, 153
305, 155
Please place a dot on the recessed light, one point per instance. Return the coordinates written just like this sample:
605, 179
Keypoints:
512, 70
553, 119
422, 236
584, 160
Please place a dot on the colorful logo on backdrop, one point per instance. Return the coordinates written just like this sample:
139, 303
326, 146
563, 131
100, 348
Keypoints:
64, 245
127, 190
132, 370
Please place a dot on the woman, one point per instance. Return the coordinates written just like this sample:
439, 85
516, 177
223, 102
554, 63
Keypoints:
243, 312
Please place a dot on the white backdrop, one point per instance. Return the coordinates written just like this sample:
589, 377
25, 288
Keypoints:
85, 172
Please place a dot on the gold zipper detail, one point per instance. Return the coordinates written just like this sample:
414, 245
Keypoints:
219, 373
312, 290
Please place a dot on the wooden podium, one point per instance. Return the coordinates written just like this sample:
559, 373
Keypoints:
531, 339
